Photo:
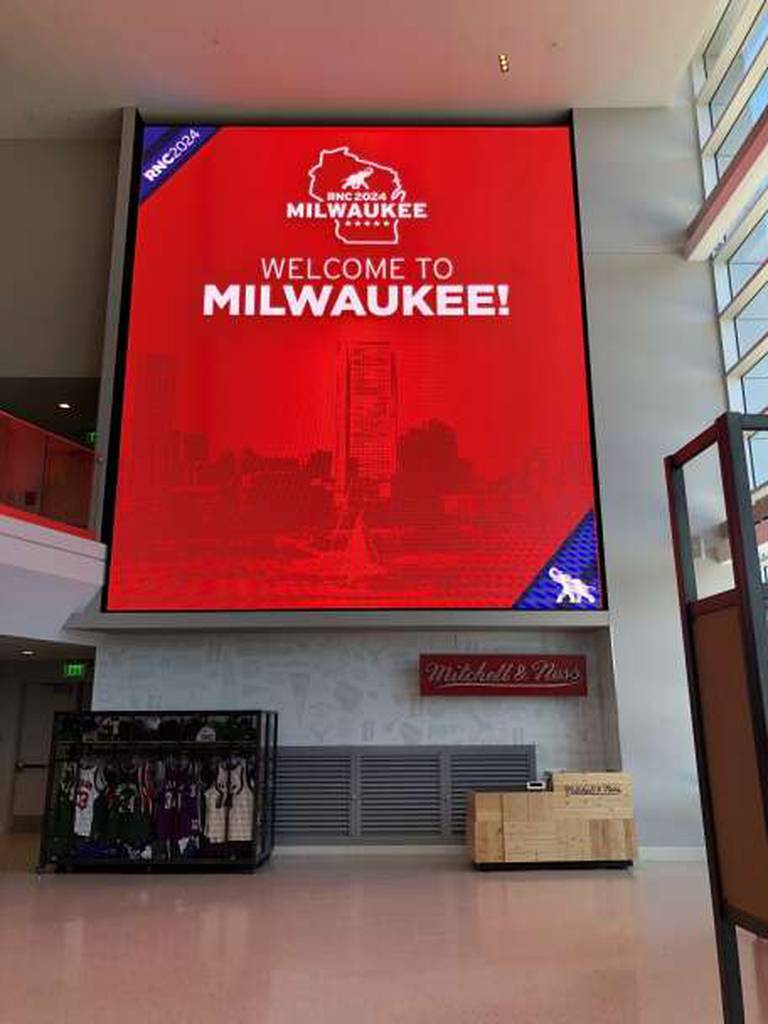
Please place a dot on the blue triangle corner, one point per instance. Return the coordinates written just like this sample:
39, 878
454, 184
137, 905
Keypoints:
573, 572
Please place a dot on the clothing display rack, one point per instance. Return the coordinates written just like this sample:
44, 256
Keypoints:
160, 790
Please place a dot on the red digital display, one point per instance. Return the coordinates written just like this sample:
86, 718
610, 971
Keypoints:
355, 374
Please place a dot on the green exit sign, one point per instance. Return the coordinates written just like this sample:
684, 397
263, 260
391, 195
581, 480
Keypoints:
74, 669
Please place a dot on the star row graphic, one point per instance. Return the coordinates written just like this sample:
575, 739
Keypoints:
368, 223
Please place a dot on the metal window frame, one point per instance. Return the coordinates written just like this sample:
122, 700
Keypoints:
727, 436
726, 219
749, 360
744, 228
719, 229
735, 40
737, 104
722, 207
748, 291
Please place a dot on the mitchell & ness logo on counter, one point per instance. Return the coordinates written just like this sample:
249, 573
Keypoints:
365, 200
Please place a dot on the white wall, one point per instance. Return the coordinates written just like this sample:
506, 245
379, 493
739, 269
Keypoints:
56, 208
656, 374
46, 575
362, 688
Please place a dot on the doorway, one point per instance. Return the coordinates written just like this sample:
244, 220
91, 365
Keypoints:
39, 702
37, 679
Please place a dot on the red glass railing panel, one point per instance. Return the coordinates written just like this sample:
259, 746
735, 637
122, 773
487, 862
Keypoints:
44, 475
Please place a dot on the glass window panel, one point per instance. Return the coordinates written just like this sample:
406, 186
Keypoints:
752, 322
720, 35
749, 332
44, 474
743, 125
757, 451
741, 63
714, 47
757, 462
708, 523
749, 257
754, 198
754, 384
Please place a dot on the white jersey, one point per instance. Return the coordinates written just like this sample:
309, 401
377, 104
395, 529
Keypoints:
86, 791
241, 805
216, 808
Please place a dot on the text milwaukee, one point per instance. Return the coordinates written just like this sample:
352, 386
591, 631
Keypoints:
356, 211
475, 300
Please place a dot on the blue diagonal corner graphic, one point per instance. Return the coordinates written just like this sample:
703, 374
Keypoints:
153, 137
578, 557
166, 149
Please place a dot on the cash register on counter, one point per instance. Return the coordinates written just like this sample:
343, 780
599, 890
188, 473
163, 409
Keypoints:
578, 819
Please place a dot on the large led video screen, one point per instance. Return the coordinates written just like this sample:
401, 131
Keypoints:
354, 374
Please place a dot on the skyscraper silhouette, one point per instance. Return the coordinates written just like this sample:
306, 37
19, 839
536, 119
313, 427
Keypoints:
365, 452
155, 454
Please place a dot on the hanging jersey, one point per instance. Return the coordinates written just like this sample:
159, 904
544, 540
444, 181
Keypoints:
216, 810
88, 784
240, 804
188, 797
141, 830
63, 818
122, 812
166, 804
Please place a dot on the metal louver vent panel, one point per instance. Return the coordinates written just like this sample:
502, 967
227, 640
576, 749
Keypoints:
313, 794
400, 795
388, 794
490, 769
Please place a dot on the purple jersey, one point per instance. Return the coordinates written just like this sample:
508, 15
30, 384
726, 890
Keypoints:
188, 802
166, 804
177, 805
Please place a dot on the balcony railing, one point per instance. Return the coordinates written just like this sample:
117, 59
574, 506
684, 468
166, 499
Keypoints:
43, 477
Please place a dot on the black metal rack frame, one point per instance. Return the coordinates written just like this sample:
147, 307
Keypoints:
72, 741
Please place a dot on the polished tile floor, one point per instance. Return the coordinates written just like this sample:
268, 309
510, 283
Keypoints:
369, 940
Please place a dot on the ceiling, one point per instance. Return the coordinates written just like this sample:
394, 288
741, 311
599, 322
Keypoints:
65, 68
36, 400
45, 650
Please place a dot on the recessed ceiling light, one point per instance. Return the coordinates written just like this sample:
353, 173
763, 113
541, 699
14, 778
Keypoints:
504, 63
65, 405
27, 653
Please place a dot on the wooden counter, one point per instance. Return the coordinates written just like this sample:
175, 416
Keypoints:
586, 818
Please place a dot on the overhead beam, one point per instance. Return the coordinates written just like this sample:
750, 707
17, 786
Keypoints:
731, 195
